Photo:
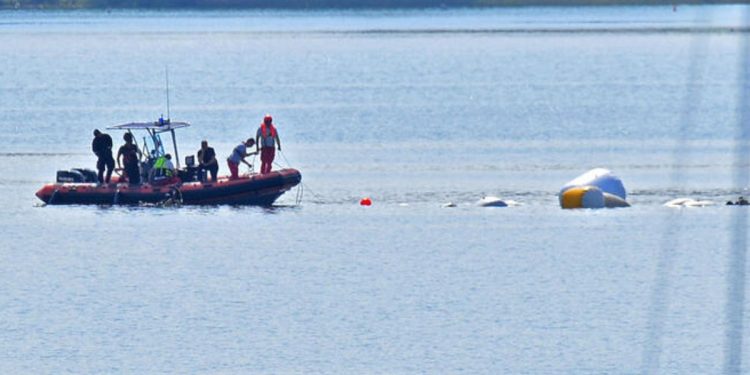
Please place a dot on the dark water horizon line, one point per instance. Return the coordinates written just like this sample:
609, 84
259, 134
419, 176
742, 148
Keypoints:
335, 4
553, 30
626, 30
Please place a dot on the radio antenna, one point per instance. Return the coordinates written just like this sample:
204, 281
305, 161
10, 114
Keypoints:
166, 70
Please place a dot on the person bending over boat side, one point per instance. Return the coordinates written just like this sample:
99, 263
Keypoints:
130, 155
207, 161
102, 147
238, 155
266, 136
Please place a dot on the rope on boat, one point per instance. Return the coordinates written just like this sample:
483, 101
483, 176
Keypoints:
300, 192
53, 196
285, 159
173, 198
302, 186
251, 167
176, 191
116, 199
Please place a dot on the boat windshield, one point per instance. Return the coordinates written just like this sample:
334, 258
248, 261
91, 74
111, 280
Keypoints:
153, 147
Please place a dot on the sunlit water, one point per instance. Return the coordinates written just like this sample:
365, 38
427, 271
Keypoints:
414, 109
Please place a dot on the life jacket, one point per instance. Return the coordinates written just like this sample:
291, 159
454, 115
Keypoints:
264, 131
267, 139
160, 165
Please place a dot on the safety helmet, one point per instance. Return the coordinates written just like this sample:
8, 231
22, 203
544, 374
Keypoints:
267, 119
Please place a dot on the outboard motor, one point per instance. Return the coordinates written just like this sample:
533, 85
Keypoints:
70, 176
88, 174
78, 175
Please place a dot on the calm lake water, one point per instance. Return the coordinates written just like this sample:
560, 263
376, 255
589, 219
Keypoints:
414, 109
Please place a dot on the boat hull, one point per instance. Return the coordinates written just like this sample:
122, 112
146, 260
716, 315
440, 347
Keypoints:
256, 189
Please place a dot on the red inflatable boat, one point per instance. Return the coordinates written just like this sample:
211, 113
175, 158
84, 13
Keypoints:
253, 189
78, 186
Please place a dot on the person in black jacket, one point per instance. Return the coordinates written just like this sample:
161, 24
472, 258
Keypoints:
102, 147
207, 161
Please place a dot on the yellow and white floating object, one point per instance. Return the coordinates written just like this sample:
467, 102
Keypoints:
597, 188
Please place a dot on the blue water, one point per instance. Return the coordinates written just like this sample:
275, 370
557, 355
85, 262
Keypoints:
414, 109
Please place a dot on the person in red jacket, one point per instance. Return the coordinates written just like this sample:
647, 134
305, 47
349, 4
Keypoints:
266, 138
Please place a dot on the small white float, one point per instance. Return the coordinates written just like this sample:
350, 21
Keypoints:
689, 202
597, 188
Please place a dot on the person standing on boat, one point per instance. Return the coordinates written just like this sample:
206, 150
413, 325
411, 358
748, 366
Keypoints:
266, 138
102, 147
238, 156
130, 155
207, 161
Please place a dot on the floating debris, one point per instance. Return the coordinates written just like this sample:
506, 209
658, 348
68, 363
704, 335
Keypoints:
689, 202
490, 201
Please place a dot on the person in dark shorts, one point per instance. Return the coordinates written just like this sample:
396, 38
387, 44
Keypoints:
102, 148
130, 155
207, 161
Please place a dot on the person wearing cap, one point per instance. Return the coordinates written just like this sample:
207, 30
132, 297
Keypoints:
102, 148
266, 138
238, 156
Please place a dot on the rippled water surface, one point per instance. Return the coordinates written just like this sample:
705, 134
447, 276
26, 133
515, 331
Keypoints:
414, 109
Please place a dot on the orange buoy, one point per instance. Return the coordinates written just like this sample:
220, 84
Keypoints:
366, 201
